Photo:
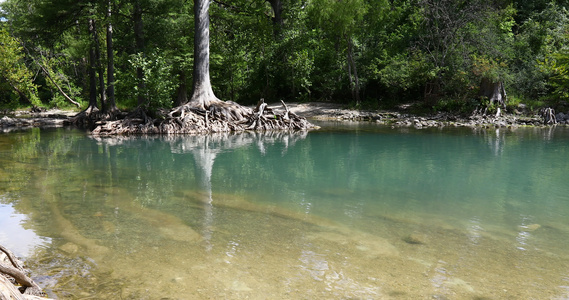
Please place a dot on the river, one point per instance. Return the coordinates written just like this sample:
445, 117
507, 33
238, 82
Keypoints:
350, 211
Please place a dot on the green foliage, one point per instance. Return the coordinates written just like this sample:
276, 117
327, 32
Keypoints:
341, 18
403, 51
465, 106
302, 65
239, 45
157, 80
484, 67
541, 34
403, 71
57, 67
558, 65
15, 78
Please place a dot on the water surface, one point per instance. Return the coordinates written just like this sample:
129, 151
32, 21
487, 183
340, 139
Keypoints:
350, 211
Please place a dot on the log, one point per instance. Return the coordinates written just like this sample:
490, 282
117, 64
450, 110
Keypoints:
28, 290
20, 277
9, 291
12, 258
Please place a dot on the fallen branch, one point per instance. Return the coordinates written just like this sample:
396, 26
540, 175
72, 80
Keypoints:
29, 287
12, 258
50, 78
57, 86
20, 277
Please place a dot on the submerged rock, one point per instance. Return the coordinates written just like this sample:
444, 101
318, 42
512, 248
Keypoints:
415, 239
69, 248
530, 227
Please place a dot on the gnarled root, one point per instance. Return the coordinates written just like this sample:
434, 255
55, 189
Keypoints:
548, 115
92, 117
218, 116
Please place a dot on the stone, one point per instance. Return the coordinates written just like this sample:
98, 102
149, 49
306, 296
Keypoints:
415, 239
69, 248
530, 227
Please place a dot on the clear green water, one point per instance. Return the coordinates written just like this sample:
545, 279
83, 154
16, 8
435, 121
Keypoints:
352, 211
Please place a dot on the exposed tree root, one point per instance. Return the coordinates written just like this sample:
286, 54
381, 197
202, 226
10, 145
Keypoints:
548, 115
90, 117
219, 116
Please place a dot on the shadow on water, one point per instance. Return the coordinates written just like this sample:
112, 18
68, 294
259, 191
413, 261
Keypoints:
363, 212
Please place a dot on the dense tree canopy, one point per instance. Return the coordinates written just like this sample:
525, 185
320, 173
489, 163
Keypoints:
444, 54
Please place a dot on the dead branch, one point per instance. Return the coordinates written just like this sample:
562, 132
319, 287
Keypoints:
17, 272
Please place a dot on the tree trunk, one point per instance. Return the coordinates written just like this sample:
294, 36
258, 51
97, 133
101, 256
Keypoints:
494, 91
277, 7
354, 81
139, 44
92, 73
182, 94
112, 106
202, 95
100, 69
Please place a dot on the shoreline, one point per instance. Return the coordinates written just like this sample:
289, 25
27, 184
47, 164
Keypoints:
401, 118
322, 111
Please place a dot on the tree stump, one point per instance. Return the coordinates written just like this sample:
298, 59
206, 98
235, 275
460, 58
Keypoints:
494, 91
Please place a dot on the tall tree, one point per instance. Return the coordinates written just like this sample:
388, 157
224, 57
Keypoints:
111, 103
139, 45
98, 63
92, 72
202, 95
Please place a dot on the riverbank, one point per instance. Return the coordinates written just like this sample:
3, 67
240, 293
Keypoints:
402, 118
330, 112
24, 119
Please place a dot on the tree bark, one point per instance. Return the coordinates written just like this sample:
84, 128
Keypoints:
202, 95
